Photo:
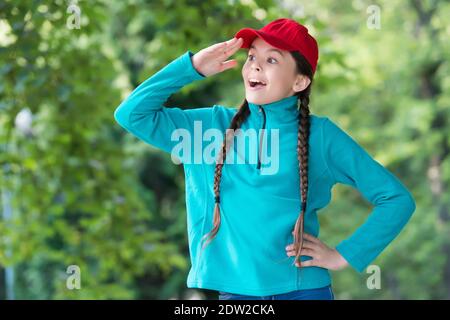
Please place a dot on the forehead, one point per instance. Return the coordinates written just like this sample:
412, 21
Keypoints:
260, 45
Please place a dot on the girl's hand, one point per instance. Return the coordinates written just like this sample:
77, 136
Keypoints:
212, 60
322, 255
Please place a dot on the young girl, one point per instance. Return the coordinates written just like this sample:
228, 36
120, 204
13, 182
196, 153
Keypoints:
262, 214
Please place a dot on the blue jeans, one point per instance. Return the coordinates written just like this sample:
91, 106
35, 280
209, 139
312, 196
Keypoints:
324, 293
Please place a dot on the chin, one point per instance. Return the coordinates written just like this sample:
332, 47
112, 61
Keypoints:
257, 100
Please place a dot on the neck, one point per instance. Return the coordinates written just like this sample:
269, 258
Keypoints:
281, 111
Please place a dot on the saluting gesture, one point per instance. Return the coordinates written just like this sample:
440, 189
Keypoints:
213, 59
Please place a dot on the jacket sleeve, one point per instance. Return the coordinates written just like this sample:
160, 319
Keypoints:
350, 164
142, 113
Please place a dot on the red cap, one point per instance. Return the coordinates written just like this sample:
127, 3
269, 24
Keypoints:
285, 34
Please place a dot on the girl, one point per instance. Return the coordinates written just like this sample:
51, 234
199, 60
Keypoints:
262, 215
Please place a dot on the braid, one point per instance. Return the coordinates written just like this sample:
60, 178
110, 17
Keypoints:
302, 154
236, 123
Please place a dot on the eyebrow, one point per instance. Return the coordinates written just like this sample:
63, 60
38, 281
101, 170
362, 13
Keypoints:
253, 47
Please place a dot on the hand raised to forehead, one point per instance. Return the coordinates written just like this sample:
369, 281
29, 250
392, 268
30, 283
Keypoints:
213, 59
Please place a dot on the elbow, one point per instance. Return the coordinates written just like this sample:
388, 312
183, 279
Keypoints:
408, 205
121, 116
116, 115
404, 206
412, 204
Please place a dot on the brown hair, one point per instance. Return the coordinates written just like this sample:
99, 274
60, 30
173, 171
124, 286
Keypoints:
303, 67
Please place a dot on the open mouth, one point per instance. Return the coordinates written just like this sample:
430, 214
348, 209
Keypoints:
256, 84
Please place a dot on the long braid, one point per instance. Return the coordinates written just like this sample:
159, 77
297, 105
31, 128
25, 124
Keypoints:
303, 155
236, 123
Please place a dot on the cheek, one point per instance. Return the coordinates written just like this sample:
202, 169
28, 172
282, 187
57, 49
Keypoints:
277, 80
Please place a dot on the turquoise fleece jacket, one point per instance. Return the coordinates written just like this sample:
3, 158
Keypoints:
258, 207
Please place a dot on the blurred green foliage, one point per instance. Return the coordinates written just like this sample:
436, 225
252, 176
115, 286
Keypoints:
83, 192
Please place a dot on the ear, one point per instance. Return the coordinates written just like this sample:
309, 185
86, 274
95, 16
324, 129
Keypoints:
301, 83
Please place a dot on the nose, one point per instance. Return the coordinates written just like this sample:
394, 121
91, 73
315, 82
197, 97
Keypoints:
255, 66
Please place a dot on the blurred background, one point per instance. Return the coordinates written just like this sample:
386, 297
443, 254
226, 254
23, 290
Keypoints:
82, 198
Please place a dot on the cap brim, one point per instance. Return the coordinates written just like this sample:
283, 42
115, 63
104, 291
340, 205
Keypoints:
249, 34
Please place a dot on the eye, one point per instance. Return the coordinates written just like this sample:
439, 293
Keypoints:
250, 55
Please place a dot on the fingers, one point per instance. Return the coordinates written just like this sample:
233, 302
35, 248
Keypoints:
305, 252
228, 64
219, 47
308, 249
232, 46
222, 45
306, 244
233, 41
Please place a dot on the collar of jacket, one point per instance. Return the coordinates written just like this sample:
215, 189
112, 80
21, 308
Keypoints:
279, 112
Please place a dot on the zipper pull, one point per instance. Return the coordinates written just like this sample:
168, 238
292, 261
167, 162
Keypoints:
261, 137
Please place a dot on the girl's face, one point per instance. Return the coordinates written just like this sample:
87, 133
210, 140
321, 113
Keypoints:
276, 68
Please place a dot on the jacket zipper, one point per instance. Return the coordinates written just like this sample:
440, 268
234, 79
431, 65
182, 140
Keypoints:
260, 138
